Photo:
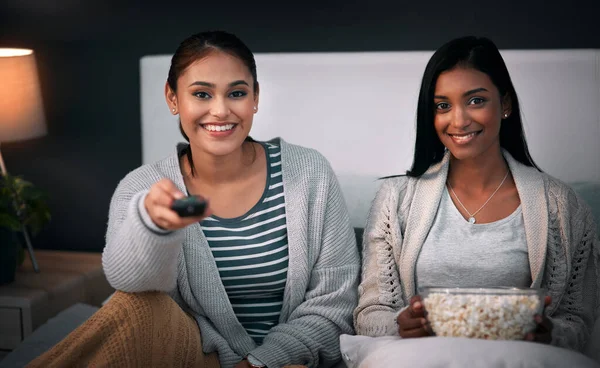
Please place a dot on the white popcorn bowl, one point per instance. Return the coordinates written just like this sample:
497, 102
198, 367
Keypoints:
482, 313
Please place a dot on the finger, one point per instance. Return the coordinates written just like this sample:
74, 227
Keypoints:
414, 299
429, 329
543, 323
170, 188
543, 331
161, 189
416, 332
167, 218
417, 310
411, 324
547, 301
155, 199
406, 313
160, 197
163, 224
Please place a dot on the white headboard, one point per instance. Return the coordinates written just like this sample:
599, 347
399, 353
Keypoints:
358, 109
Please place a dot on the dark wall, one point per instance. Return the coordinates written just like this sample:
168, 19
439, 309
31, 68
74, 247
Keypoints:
88, 54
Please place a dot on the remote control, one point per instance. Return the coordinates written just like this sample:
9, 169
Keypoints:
189, 206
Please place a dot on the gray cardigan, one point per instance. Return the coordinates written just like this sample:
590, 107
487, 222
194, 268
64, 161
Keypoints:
562, 243
321, 289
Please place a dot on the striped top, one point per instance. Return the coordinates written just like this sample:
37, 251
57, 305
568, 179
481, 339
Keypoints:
323, 270
251, 252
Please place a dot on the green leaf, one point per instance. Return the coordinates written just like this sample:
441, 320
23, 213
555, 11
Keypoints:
9, 222
22, 203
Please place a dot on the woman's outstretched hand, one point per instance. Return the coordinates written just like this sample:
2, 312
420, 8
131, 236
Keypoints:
158, 204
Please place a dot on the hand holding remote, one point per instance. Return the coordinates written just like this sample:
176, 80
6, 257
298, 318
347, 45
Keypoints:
189, 206
160, 203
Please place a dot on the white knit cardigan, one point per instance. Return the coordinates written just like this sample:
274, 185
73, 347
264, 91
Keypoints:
561, 239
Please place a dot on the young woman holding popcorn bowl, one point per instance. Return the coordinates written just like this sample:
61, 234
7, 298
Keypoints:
476, 211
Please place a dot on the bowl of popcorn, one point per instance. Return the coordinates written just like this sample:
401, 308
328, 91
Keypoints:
482, 313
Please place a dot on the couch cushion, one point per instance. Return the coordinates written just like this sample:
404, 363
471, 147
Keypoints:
390, 351
48, 335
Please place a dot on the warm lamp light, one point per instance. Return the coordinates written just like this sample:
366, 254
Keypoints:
21, 109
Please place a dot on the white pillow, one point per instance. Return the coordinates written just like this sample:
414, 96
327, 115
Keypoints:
449, 352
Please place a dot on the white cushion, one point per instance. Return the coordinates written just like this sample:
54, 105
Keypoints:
446, 352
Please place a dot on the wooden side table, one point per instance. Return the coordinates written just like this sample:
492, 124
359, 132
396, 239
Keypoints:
65, 278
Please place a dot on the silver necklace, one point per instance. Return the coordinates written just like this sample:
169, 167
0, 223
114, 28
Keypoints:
472, 215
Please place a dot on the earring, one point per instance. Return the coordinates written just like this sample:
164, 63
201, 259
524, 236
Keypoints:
173, 109
505, 115
255, 108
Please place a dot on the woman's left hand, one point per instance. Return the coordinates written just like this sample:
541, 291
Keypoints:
543, 332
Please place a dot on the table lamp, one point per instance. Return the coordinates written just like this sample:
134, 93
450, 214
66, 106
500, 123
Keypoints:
21, 109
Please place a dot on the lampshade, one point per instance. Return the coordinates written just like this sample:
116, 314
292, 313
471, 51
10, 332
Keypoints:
21, 109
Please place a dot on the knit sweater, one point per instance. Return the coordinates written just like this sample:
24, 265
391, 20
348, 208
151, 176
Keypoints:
563, 249
321, 288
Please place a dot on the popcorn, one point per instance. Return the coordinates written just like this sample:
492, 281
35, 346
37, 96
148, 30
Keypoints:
482, 316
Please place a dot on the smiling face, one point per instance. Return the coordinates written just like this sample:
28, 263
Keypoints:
216, 103
468, 113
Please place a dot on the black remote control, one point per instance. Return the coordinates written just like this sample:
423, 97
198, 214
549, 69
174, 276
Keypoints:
189, 206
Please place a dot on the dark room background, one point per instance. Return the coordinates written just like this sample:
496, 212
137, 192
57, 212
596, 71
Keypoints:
88, 58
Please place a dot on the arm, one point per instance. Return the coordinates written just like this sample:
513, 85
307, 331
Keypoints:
311, 334
138, 255
573, 318
380, 292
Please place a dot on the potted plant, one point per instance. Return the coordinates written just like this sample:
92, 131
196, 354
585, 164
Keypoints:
22, 205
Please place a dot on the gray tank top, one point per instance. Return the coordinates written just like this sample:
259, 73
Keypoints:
459, 254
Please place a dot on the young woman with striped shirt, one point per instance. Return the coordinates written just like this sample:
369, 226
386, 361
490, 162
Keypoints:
266, 277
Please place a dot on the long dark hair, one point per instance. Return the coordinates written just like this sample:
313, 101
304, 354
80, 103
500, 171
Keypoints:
483, 55
197, 46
